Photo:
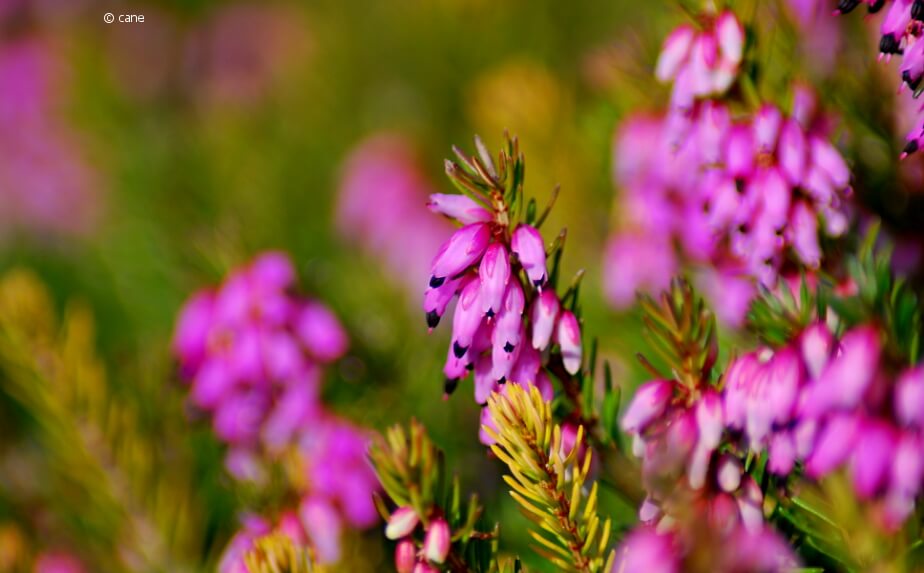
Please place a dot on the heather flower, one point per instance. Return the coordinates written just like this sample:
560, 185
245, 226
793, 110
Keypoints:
825, 402
401, 523
697, 542
436, 541
405, 556
58, 562
507, 319
47, 187
254, 352
701, 63
739, 198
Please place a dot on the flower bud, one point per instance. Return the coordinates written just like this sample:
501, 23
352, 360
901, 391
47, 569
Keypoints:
569, 338
459, 207
649, 402
405, 556
401, 523
436, 543
494, 272
528, 245
543, 315
463, 249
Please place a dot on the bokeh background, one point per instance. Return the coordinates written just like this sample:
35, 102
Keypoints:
140, 162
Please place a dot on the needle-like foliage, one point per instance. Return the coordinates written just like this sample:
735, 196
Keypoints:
550, 484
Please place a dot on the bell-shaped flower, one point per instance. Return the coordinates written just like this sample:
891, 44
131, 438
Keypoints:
401, 523
494, 273
650, 401
568, 335
544, 317
462, 208
462, 250
527, 243
467, 316
437, 541
437, 299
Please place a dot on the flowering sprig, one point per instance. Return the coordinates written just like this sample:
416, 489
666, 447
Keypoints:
434, 530
509, 324
548, 479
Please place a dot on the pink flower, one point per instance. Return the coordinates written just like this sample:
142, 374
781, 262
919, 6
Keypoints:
463, 249
527, 244
437, 541
405, 556
568, 335
544, 316
494, 273
58, 563
649, 402
645, 550
401, 523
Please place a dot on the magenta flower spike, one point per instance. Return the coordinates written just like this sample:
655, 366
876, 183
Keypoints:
649, 402
459, 207
527, 243
494, 273
568, 335
463, 249
544, 317
437, 541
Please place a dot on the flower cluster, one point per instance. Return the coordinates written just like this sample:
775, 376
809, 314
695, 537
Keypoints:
742, 197
825, 403
380, 206
46, 185
254, 353
508, 316
712, 550
701, 63
435, 549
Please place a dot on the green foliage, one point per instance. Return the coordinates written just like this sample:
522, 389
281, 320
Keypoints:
548, 483
779, 319
93, 448
682, 332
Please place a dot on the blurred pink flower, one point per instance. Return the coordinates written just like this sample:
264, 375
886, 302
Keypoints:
46, 187
381, 207
58, 563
